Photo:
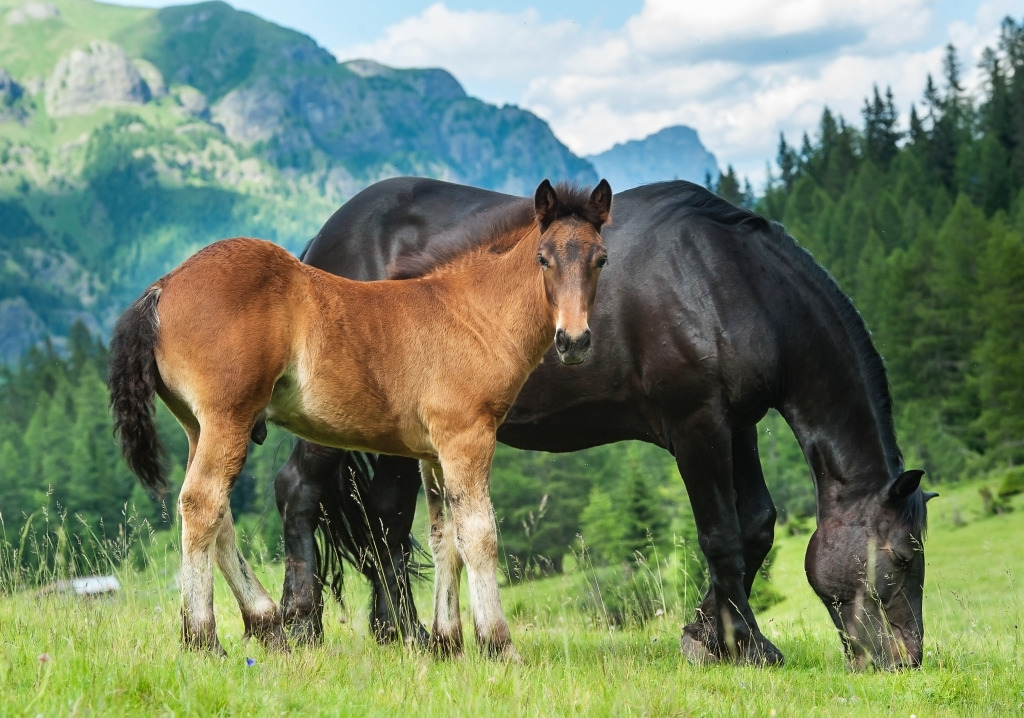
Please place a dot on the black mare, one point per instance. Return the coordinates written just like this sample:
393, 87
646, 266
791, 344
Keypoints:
708, 315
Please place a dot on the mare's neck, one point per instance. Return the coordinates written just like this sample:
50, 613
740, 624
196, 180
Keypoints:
841, 422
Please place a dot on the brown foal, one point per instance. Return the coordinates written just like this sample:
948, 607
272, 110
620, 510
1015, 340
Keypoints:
425, 367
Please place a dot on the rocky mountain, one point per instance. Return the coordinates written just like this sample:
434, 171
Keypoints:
673, 153
129, 137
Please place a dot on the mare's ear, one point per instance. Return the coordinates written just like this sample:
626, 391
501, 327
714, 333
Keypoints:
905, 484
545, 202
601, 198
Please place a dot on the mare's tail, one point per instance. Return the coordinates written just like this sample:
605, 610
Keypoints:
131, 379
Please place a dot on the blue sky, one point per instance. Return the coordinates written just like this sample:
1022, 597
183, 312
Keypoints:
603, 72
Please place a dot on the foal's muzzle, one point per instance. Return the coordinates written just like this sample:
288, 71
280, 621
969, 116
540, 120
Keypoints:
572, 350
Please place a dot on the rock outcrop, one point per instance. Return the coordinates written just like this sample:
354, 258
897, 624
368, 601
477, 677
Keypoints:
32, 11
101, 75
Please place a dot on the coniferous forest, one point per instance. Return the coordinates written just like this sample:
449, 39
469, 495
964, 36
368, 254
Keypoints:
921, 222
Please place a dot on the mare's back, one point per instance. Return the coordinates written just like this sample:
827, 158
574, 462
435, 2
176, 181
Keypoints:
392, 218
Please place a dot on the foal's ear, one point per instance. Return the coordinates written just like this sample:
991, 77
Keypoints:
545, 202
905, 484
601, 198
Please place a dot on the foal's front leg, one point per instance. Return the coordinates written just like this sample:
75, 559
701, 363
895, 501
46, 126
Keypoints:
446, 635
467, 468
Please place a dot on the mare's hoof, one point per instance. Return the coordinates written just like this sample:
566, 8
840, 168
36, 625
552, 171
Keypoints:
765, 655
700, 647
695, 651
304, 631
419, 637
303, 636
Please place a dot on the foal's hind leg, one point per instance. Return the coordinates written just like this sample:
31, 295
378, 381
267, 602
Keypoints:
202, 504
259, 612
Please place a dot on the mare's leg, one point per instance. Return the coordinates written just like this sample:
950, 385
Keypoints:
390, 509
446, 635
202, 504
757, 515
704, 454
299, 487
466, 461
259, 612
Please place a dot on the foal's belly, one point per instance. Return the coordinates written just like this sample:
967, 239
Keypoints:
355, 424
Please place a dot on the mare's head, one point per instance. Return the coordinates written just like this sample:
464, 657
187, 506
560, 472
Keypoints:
867, 565
571, 255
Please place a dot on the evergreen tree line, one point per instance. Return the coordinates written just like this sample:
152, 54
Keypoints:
924, 228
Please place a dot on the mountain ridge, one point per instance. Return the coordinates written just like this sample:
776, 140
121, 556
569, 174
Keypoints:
674, 152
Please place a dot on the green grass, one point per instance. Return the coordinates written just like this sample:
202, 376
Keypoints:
120, 656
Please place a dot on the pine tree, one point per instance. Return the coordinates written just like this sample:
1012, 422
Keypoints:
999, 355
880, 134
728, 187
787, 164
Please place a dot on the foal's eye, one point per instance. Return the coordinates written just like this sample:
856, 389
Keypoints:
602, 262
542, 261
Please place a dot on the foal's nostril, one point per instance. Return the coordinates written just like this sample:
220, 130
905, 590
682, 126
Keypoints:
561, 340
584, 341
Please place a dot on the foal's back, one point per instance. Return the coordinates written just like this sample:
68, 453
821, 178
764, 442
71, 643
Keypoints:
245, 327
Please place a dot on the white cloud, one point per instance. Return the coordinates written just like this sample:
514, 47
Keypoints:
738, 72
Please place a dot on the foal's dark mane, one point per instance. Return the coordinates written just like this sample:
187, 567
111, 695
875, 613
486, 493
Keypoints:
498, 230
700, 203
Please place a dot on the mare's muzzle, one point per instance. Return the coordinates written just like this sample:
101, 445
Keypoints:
572, 349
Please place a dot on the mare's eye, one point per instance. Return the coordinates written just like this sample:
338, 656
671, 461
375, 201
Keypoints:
900, 561
542, 261
602, 262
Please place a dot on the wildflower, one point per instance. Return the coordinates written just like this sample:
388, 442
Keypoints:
44, 657
250, 662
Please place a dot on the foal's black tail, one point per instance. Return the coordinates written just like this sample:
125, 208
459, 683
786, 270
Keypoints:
131, 379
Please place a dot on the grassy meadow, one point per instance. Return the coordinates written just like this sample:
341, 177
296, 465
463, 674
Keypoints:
120, 655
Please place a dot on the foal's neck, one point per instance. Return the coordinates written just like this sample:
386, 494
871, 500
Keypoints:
506, 294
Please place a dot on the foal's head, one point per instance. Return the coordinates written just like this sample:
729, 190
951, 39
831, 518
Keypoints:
571, 255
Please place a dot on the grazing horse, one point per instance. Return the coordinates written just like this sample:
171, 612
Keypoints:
242, 333
709, 316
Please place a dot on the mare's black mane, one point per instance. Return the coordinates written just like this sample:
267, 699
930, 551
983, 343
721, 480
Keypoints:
501, 228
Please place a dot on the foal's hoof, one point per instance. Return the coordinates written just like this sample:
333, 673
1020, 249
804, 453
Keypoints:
201, 640
445, 647
269, 632
505, 654
212, 649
